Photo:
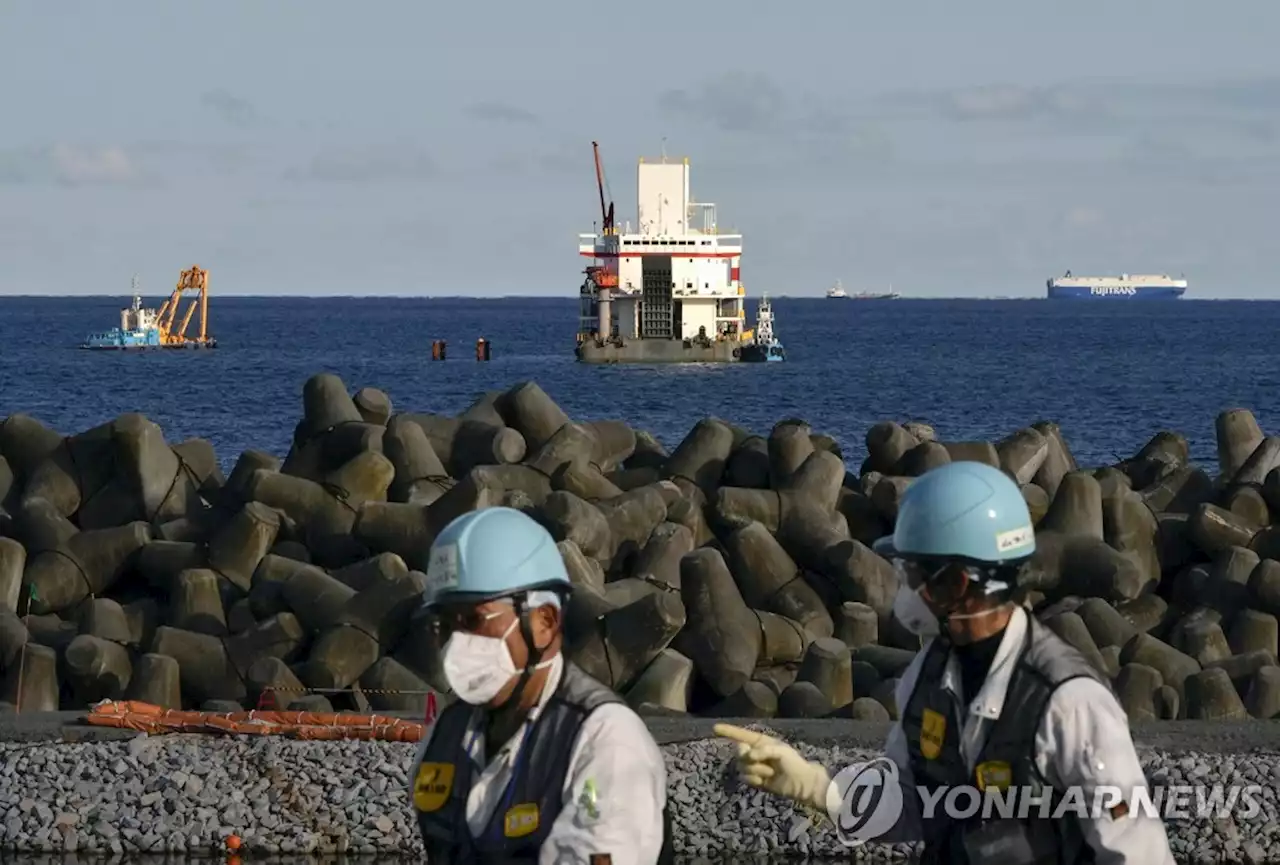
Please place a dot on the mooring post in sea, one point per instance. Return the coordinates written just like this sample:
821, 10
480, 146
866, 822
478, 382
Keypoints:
438, 348
482, 349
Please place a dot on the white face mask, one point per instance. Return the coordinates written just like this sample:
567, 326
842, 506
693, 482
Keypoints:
477, 667
911, 610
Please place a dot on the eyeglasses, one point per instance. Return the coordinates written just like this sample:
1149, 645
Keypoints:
467, 619
942, 581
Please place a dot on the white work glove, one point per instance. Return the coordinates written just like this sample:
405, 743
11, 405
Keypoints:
772, 765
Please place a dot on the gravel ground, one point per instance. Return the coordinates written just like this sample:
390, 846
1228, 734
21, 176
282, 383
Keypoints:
184, 794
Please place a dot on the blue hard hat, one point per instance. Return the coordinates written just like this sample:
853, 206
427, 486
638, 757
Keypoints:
493, 553
962, 510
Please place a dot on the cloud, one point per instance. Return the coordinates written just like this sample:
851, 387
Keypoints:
68, 165
1012, 102
501, 112
1083, 216
821, 129
362, 168
109, 165
232, 109
734, 102
1247, 106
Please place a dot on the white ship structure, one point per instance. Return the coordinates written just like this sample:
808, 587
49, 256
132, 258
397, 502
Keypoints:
669, 291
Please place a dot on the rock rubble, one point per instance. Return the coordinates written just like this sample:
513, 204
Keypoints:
178, 795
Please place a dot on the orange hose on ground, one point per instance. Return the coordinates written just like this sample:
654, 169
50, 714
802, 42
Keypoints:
148, 718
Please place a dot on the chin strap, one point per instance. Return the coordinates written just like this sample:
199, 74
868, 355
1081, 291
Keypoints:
535, 654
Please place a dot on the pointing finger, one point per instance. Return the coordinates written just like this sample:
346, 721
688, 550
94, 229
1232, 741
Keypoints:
739, 734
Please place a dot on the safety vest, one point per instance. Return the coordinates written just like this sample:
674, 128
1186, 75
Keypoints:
932, 731
535, 791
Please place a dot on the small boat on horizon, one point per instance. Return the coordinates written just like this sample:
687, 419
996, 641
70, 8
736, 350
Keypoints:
878, 295
837, 291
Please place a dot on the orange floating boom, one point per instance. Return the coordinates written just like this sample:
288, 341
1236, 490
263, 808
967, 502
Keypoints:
152, 719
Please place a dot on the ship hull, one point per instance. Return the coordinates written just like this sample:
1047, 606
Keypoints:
132, 340
1087, 292
658, 351
149, 347
123, 340
756, 353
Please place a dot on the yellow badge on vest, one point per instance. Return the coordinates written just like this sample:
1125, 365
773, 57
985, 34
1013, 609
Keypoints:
994, 775
521, 820
933, 729
432, 786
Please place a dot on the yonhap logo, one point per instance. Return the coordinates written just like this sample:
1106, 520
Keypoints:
870, 801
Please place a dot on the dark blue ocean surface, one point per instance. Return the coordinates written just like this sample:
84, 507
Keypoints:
1112, 373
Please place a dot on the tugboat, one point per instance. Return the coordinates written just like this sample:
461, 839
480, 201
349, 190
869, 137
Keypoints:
765, 347
138, 329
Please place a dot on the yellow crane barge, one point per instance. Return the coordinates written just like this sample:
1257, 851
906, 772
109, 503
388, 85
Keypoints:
147, 328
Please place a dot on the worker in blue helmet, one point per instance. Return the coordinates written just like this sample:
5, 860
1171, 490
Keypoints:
993, 702
536, 762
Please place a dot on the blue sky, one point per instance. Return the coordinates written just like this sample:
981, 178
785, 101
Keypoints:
411, 148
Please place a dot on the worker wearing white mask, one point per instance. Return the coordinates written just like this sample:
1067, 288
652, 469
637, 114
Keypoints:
993, 699
536, 762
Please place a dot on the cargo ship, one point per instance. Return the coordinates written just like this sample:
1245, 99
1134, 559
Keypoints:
671, 290
1125, 286
876, 295
141, 329
837, 291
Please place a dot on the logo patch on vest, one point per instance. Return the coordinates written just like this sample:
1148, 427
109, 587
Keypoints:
432, 785
994, 774
521, 820
933, 729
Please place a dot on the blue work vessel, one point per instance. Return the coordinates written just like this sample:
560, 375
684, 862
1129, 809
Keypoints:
139, 329
1123, 287
123, 340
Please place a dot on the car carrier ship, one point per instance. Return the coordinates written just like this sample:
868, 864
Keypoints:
1123, 287
668, 292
